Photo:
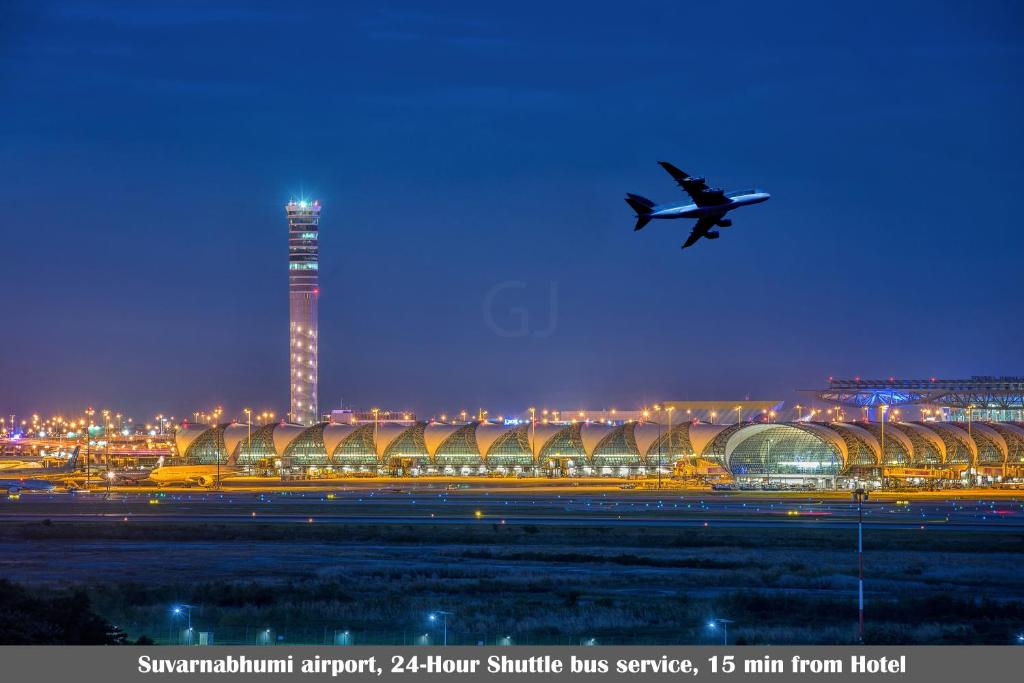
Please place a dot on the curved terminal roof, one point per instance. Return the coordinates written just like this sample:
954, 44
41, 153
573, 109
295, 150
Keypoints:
593, 434
335, 433
487, 434
436, 433
997, 442
234, 435
646, 434
184, 436
387, 434
862, 435
702, 434
284, 434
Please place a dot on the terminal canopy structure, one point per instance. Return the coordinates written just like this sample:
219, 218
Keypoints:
989, 398
810, 452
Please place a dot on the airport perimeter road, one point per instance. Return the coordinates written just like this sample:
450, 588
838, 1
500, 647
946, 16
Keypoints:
582, 506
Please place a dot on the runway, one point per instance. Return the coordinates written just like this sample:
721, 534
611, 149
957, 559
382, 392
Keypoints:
602, 507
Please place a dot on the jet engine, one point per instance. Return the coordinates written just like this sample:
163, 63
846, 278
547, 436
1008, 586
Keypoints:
724, 223
713, 234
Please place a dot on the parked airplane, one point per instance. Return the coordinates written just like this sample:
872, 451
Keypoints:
35, 469
17, 485
709, 205
189, 475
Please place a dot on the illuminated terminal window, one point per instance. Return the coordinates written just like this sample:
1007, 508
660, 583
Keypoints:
308, 449
511, 449
304, 266
460, 448
357, 449
618, 449
784, 450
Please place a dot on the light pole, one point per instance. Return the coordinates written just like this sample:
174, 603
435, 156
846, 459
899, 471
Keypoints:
533, 439
188, 612
739, 414
668, 409
657, 408
88, 444
860, 495
444, 620
713, 624
881, 455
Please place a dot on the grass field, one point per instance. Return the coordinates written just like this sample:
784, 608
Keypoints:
526, 584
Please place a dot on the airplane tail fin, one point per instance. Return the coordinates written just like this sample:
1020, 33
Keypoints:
73, 459
643, 207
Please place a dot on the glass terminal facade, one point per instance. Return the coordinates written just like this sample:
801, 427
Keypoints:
818, 454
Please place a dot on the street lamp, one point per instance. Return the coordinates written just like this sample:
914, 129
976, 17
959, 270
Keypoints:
860, 495
533, 438
884, 408
668, 409
188, 612
713, 624
444, 620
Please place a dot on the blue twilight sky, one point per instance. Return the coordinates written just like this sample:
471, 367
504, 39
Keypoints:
471, 159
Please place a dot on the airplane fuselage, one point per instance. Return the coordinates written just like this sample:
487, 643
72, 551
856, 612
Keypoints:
693, 211
16, 485
203, 475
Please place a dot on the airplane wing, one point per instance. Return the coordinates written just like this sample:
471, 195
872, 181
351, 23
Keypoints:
701, 229
699, 192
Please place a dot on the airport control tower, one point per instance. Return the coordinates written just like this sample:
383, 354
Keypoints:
303, 292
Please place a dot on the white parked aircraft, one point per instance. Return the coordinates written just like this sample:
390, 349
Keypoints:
190, 475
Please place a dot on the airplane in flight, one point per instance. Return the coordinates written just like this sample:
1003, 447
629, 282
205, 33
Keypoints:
709, 205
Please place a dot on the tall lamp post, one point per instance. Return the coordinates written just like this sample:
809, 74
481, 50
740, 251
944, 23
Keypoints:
657, 409
444, 620
860, 495
533, 439
668, 409
881, 456
713, 624
188, 612
88, 445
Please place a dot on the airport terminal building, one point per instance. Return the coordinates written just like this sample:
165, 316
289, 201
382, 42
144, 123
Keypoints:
818, 454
